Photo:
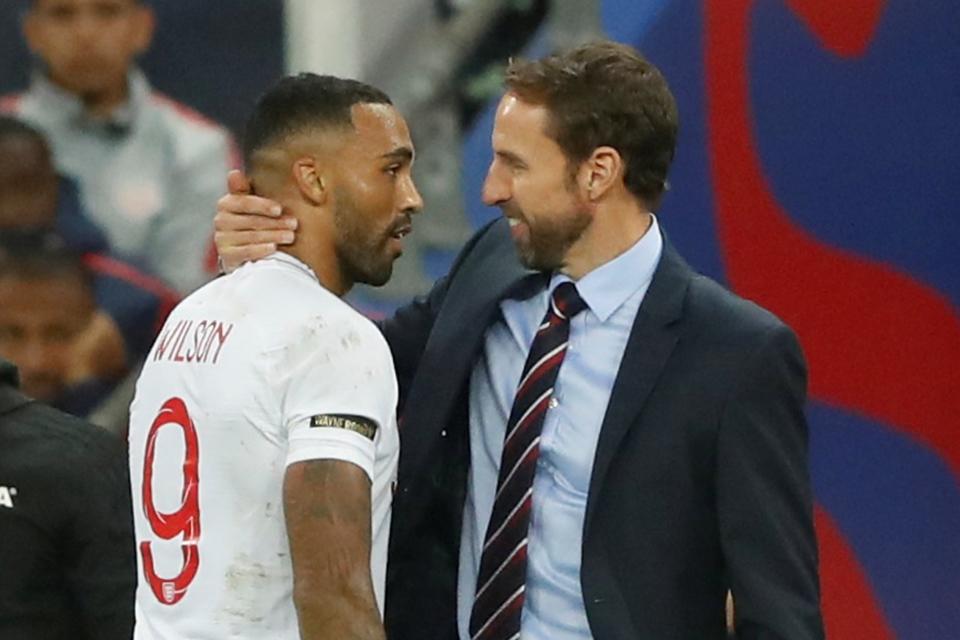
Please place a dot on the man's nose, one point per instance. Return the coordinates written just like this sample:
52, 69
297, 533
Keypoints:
86, 27
412, 201
495, 189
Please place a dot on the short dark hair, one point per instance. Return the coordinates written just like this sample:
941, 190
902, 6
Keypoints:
605, 94
38, 254
13, 127
304, 101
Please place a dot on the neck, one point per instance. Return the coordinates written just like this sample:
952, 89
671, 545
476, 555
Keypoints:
102, 104
617, 226
99, 103
315, 248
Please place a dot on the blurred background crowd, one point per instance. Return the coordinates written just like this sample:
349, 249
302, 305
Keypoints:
816, 174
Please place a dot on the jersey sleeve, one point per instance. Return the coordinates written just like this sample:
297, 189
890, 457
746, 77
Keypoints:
341, 394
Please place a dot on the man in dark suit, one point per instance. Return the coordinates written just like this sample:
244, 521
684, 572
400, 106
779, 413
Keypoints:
596, 441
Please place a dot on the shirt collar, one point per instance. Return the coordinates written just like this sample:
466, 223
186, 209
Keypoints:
68, 107
608, 286
282, 256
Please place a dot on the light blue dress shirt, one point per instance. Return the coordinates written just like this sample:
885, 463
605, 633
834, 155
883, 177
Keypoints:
554, 607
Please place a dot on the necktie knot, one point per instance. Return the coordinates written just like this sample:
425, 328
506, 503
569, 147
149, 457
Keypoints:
566, 301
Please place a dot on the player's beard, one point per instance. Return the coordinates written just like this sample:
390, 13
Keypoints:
361, 249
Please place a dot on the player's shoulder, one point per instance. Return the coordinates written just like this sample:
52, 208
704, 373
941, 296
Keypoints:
330, 324
287, 283
284, 293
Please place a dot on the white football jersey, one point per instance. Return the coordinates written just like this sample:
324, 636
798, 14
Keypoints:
253, 372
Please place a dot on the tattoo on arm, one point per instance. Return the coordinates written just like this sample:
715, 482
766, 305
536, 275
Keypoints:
328, 513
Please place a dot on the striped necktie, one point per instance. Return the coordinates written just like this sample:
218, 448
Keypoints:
498, 602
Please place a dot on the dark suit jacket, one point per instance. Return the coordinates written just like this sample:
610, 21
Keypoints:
67, 563
700, 480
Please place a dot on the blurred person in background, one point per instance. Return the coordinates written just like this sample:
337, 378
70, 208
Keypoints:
67, 569
149, 169
131, 305
33, 195
47, 306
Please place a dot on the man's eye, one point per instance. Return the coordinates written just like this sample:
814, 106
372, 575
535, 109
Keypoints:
11, 332
393, 169
61, 13
107, 12
59, 334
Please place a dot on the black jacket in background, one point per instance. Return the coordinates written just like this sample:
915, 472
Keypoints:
67, 563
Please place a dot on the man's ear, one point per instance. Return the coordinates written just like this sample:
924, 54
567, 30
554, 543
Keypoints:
32, 34
145, 23
310, 180
600, 172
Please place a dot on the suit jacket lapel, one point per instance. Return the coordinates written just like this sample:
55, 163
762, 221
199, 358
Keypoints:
652, 339
468, 310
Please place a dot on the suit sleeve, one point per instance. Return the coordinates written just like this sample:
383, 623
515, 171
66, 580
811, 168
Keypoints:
764, 496
407, 333
100, 561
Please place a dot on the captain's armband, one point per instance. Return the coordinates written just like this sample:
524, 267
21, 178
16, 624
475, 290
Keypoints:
358, 424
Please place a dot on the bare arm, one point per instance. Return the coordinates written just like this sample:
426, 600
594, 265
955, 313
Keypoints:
248, 227
327, 509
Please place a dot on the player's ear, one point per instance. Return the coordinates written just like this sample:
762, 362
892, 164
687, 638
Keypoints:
310, 180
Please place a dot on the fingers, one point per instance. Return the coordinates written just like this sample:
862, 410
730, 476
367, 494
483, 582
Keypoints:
237, 182
247, 204
237, 247
227, 240
235, 256
225, 221
248, 227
